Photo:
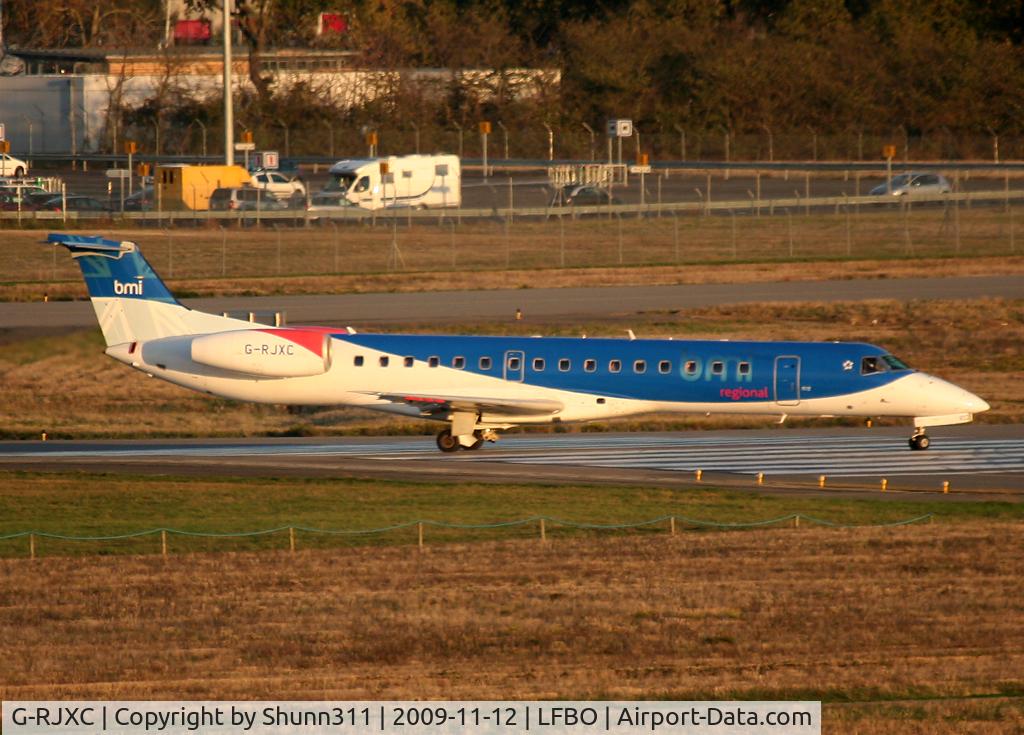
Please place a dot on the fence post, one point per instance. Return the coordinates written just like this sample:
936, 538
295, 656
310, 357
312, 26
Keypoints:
291, 538
619, 218
796, 521
543, 531
561, 241
163, 542
789, 220
31, 546
672, 525
849, 239
675, 233
419, 528
1013, 244
732, 217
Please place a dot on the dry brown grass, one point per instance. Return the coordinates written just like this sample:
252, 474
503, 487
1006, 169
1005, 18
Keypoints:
353, 258
929, 613
66, 387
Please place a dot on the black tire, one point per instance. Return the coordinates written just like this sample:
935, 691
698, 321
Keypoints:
920, 442
446, 442
19, 172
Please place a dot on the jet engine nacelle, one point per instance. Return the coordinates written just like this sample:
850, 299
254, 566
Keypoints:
268, 353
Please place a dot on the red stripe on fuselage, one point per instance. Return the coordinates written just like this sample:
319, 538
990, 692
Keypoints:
311, 339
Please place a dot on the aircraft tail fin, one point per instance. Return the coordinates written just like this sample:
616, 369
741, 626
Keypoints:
132, 303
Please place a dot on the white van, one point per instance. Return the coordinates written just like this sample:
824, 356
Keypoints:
398, 181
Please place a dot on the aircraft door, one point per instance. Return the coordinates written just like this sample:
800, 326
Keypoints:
515, 364
787, 380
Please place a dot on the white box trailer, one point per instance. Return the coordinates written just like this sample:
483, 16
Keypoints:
421, 181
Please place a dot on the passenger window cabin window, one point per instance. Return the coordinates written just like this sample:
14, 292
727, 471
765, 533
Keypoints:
384, 360
410, 361
589, 365
743, 368
538, 364
664, 367
485, 363
614, 366
717, 368
640, 366
691, 367
459, 362
564, 364
433, 361
513, 363
357, 360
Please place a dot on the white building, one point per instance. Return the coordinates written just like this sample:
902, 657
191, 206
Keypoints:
63, 101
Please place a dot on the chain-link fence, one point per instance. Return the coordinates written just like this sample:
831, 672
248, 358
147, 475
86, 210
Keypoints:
241, 249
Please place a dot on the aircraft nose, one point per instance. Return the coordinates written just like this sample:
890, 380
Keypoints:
955, 398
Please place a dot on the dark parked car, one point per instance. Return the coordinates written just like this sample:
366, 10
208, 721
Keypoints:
244, 199
9, 202
39, 197
583, 196
75, 203
142, 200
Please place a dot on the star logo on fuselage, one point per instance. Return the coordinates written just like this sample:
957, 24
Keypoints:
848, 365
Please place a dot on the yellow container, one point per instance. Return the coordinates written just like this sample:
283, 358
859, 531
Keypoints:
180, 186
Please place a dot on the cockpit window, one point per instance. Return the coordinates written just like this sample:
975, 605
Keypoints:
873, 364
895, 363
881, 364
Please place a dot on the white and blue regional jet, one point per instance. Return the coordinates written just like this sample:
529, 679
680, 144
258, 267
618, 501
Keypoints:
478, 386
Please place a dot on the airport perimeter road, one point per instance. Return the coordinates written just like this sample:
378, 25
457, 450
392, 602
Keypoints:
540, 304
980, 462
531, 188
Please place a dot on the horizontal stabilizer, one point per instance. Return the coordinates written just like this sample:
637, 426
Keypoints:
87, 245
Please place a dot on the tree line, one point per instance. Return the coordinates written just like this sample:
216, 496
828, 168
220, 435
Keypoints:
711, 78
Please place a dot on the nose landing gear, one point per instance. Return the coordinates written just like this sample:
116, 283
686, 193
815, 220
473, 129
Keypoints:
919, 441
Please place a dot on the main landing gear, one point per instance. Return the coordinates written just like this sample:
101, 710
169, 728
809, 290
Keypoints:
919, 441
448, 442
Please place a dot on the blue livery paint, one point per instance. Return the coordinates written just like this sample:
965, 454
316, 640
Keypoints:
114, 269
672, 370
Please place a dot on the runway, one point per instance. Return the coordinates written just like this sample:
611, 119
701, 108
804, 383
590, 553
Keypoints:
539, 303
978, 461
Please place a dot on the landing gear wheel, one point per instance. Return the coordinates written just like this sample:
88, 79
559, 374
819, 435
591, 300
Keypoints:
19, 172
920, 442
446, 442
477, 442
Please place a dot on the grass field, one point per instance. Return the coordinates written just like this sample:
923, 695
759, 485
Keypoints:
907, 630
65, 386
111, 505
207, 260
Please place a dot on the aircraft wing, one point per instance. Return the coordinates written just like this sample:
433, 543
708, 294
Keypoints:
435, 403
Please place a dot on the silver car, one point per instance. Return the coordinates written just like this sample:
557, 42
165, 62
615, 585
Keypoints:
914, 183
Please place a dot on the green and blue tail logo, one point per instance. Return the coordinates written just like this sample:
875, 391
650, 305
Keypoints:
114, 269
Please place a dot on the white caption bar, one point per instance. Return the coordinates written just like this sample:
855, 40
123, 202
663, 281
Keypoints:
411, 718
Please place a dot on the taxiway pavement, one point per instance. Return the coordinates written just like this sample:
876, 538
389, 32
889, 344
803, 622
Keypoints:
979, 462
539, 303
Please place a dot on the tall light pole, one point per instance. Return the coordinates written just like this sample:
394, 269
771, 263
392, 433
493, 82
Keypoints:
229, 121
